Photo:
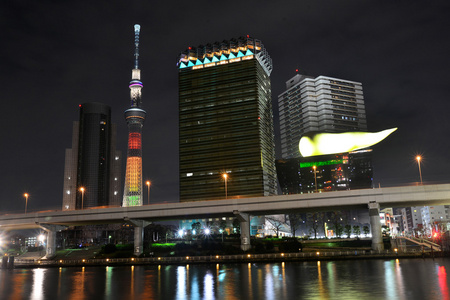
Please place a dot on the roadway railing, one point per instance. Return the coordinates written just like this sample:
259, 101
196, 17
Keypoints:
422, 242
241, 258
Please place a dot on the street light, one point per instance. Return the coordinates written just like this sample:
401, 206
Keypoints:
41, 239
221, 231
148, 183
26, 201
225, 176
315, 177
419, 158
82, 189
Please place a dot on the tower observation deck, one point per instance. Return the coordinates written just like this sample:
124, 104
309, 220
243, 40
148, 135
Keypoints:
135, 117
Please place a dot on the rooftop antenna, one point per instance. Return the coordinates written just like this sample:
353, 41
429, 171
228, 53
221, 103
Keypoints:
137, 30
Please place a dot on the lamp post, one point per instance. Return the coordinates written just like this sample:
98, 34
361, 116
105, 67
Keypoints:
148, 183
82, 189
419, 158
315, 177
225, 176
26, 201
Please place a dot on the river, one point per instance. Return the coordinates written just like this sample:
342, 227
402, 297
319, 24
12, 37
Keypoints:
343, 279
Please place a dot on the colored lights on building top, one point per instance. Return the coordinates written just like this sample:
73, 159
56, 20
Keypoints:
223, 59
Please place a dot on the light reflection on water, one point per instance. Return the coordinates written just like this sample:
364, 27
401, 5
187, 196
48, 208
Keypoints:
38, 284
355, 279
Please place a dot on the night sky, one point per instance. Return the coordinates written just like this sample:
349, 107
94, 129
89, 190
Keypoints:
55, 55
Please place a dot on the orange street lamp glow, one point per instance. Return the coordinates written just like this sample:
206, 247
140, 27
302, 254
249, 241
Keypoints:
26, 201
315, 177
419, 158
82, 189
148, 183
225, 176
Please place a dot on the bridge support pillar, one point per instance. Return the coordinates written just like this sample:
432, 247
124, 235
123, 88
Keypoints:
139, 226
375, 224
244, 220
51, 238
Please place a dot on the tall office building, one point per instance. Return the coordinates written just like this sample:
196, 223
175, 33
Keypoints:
226, 121
93, 163
321, 104
135, 117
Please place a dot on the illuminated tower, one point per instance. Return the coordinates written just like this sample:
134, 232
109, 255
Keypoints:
135, 117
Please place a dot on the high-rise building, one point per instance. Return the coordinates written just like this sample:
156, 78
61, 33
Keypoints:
135, 117
92, 165
321, 104
226, 121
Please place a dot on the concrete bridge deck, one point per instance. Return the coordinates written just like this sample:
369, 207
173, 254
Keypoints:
385, 197
139, 216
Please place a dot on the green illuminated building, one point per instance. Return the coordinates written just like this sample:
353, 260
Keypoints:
345, 171
226, 121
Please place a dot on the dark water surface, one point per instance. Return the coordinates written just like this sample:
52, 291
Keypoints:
348, 279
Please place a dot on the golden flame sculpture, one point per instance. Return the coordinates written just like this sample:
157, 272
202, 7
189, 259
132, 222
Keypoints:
331, 143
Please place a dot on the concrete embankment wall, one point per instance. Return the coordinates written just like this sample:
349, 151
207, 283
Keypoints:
220, 259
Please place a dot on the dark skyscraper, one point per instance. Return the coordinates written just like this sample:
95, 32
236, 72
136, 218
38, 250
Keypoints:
135, 117
93, 164
226, 121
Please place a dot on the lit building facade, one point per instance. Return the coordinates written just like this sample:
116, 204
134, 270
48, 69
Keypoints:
135, 117
226, 121
411, 220
93, 163
321, 104
434, 217
333, 172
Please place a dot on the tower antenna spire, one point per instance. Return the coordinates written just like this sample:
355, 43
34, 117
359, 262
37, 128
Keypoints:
137, 30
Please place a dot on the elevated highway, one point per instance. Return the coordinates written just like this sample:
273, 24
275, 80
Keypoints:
374, 199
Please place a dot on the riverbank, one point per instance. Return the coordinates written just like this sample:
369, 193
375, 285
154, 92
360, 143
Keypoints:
221, 259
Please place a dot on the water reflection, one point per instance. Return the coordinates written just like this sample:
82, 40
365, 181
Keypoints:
370, 279
181, 283
399, 280
322, 289
38, 284
443, 283
108, 277
132, 283
18, 284
332, 279
283, 278
269, 284
78, 285
208, 286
